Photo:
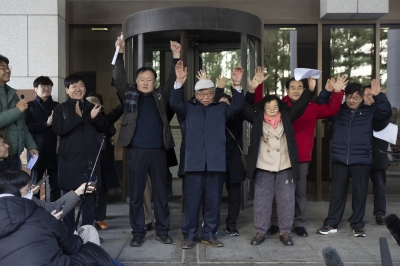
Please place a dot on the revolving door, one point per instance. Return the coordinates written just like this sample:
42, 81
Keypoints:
212, 39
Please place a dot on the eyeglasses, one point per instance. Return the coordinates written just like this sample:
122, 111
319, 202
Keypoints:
202, 94
46, 86
5, 67
271, 109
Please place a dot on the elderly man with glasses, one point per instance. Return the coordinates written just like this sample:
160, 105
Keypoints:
12, 124
205, 154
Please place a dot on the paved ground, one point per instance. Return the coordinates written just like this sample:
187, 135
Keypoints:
238, 251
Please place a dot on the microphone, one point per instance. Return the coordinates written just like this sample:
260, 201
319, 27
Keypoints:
332, 257
386, 259
22, 96
393, 224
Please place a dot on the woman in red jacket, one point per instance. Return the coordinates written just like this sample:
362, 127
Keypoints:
304, 134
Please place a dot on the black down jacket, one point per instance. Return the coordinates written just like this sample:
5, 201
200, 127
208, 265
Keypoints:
29, 235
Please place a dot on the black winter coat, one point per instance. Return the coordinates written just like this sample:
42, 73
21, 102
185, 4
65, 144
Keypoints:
352, 131
379, 160
46, 140
29, 235
205, 140
109, 172
255, 115
234, 163
79, 144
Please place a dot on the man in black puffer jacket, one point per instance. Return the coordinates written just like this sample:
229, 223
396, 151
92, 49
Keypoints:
29, 235
352, 154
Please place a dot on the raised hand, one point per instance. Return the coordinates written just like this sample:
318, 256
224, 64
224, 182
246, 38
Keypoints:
339, 82
329, 86
121, 43
221, 82
95, 111
236, 75
260, 74
176, 49
375, 87
311, 83
181, 72
77, 109
201, 74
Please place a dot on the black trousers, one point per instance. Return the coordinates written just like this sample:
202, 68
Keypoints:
196, 185
152, 162
101, 208
234, 200
378, 179
88, 212
37, 175
341, 175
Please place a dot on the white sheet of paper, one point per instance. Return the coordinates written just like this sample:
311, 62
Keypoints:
389, 133
304, 73
32, 162
116, 53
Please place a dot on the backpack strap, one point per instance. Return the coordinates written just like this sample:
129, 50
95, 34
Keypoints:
65, 110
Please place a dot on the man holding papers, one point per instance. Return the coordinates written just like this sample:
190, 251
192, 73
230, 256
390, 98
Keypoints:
352, 154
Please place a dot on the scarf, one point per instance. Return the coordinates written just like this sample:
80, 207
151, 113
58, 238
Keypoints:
130, 98
273, 121
287, 100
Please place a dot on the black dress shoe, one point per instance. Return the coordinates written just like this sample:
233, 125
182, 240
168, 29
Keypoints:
258, 239
273, 229
101, 239
148, 227
379, 219
232, 231
137, 241
285, 238
301, 231
165, 239
188, 244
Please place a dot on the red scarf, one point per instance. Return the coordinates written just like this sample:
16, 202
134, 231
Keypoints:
287, 100
273, 121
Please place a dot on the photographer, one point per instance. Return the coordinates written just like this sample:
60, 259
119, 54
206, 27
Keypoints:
31, 236
22, 181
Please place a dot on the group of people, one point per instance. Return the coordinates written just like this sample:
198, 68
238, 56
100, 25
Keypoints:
67, 137
72, 140
281, 144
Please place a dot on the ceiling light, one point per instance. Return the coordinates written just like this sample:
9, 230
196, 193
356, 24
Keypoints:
287, 28
99, 29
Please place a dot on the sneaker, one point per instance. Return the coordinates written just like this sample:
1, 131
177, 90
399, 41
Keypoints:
379, 219
214, 242
359, 232
325, 230
232, 231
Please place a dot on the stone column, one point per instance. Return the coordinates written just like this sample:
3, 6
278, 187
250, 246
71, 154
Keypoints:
33, 37
393, 68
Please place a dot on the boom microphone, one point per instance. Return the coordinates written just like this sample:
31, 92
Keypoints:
386, 259
332, 257
393, 224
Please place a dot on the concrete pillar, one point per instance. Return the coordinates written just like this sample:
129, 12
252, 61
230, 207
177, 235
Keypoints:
393, 68
33, 37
